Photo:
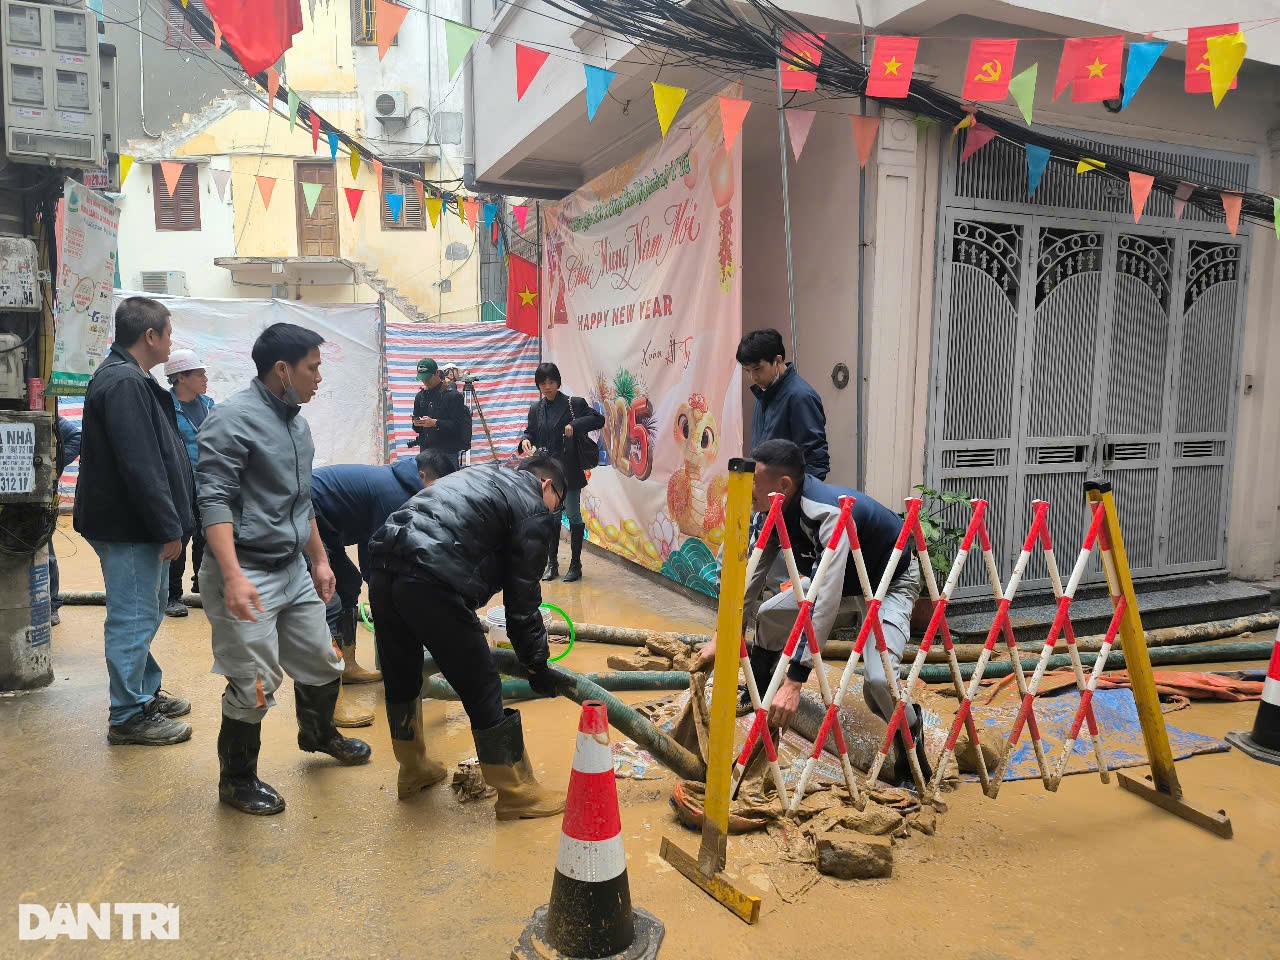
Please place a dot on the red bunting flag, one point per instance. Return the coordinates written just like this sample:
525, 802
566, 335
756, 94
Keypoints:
472, 210
1231, 205
892, 62
1139, 189
315, 131
265, 187
804, 48
990, 69
732, 112
1181, 195
354, 195
172, 171
273, 86
1091, 66
1198, 79
522, 296
387, 20
979, 136
259, 31
864, 135
521, 213
528, 62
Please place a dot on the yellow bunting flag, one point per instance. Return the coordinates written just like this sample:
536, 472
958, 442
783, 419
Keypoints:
667, 100
1085, 165
434, 205
1226, 54
355, 166
126, 164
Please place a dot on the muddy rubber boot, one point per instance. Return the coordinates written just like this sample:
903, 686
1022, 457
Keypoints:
505, 767
902, 765
352, 672
763, 663
316, 730
348, 713
553, 559
576, 532
238, 783
417, 770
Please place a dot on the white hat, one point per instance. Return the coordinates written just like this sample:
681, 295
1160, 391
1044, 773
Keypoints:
448, 366
180, 361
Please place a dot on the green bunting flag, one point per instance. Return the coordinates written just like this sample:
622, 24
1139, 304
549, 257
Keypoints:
293, 109
1023, 89
458, 41
311, 193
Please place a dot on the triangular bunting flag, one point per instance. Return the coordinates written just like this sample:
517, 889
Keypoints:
354, 195
1230, 201
217, 34
377, 172
462, 213
420, 189
458, 41
521, 213
333, 144
172, 170
126, 164
473, 211
799, 122
1037, 161
1181, 195
387, 18
667, 100
1139, 189
490, 211
315, 130
265, 186
1087, 164
311, 193
965, 123
434, 205
528, 62
220, 180
732, 112
1275, 215
1226, 54
1142, 57
864, 135
355, 166
293, 109
395, 203
1023, 89
273, 85
598, 80
977, 138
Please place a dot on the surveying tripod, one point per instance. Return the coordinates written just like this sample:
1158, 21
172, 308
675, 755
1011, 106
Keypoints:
472, 400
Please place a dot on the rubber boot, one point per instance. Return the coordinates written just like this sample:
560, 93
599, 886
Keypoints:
553, 558
316, 730
505, 767
576, 532
763, 662
352, 672
417, 770
348, 713
238, 783
902, 765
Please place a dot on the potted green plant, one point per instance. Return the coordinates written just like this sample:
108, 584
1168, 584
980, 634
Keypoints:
943, 539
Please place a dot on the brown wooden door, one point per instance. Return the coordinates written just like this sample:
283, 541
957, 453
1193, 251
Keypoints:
318, 230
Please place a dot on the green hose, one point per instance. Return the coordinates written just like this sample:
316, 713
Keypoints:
512, 689
573, 633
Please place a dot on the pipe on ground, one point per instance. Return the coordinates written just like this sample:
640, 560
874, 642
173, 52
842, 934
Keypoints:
513, 689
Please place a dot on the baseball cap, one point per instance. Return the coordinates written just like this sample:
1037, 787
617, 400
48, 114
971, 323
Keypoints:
449, 366
180, 361
426, 367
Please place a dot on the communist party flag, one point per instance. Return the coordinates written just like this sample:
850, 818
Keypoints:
801, 46
1198, 80
892, 61
1091, 66
990, 69
522, 295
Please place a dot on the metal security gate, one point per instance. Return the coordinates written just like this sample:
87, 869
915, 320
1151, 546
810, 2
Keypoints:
1071, 344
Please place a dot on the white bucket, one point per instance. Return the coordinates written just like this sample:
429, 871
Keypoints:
496, 620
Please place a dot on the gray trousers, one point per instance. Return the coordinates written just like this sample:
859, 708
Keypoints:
291, 636
778, 615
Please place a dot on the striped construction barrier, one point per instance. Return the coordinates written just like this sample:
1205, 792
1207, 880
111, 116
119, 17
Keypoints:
1263, 742
590, 912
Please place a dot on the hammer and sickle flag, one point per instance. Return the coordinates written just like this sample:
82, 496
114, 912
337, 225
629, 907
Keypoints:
990, 68
801, 48
1198, 79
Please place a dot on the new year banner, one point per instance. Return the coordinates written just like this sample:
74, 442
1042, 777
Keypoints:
643, 313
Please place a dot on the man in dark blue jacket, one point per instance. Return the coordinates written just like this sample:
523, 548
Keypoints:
352, 502
786, 408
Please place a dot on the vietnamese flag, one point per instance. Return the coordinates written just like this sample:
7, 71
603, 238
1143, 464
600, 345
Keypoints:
892, 61
806, 47
259, 31
990, 69
1091, 66
1198, 56
522, 295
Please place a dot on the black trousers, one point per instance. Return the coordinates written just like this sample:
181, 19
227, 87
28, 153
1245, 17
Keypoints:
412, 615
179, 567
346, 594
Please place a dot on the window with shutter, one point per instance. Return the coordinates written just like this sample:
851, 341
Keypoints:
412, 216
178, 34
364, 28
181, 211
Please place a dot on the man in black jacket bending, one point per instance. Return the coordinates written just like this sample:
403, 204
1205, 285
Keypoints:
443, 554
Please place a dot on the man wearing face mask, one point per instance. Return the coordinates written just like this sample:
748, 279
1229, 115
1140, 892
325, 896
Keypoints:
786, 408
266, 611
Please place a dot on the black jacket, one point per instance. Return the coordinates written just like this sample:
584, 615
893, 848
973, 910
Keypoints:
545, 430
135, 482
452, 433
476, 532
790, 409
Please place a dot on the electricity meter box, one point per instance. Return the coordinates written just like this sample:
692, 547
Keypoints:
51, 83
26, 457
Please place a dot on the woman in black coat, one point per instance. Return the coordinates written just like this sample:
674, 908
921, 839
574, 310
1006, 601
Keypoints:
556, 422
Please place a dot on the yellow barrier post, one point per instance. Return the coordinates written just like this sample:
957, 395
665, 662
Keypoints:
1161, 787
707, 871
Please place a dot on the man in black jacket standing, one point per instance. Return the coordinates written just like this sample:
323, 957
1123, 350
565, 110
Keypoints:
134, 506
786, 407
443, 554
440, 415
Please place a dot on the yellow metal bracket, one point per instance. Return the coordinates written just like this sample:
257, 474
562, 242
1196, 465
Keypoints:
707, 871
1161, 787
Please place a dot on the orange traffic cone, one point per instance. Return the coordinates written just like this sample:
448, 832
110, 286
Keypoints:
1263, 742
590, 913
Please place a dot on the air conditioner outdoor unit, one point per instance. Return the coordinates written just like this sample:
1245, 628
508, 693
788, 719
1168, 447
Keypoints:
391, 105
171, 282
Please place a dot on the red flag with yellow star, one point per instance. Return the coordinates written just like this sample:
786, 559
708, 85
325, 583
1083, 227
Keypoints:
892, 61
990, 69
522, 296
1091, 66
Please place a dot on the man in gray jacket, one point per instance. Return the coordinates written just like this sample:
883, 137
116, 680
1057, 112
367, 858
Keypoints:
267, 612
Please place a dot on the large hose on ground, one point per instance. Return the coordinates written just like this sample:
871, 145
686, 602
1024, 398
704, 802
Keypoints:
513, 689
